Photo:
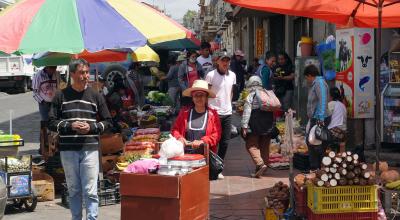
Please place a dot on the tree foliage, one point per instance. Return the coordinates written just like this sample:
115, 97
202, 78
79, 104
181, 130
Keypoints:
188, 18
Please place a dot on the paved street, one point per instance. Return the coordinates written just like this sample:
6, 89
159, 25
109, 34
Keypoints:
26, 119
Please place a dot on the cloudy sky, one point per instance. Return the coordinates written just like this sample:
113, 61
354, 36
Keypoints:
176, 8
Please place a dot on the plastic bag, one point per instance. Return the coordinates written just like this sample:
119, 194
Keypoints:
142, 166
216, 166
234, 131
171, 148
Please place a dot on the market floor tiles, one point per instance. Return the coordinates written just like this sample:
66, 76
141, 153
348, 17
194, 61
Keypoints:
238, 196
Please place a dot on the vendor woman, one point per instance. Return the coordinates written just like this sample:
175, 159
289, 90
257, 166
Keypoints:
198, 123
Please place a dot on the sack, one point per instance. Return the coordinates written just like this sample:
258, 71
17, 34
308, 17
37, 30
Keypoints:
111, 143
216, 165
322, 132
171, 148
234, 131
267, 100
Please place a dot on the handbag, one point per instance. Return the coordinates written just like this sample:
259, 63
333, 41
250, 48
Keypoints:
322, 132
267, 100
216, 165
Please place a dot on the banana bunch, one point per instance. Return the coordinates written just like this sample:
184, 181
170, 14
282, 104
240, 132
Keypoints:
393, 185
281, 127
302, 149
121, 165
243, 95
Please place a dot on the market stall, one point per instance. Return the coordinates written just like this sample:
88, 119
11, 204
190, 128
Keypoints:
15, 174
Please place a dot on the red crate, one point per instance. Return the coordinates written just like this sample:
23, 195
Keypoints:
301, 200
343, 216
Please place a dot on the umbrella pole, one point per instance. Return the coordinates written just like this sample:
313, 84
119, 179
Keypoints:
377, 86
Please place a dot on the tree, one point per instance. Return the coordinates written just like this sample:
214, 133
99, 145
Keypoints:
188, 19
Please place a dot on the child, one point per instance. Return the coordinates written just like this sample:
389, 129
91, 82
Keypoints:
337, 111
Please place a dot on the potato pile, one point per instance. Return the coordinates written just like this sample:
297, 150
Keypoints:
278, 196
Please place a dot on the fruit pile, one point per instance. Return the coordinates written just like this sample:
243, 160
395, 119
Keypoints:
278, 196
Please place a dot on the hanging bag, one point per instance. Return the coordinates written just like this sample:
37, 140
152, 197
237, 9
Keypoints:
267, 100
216, 166
322, 132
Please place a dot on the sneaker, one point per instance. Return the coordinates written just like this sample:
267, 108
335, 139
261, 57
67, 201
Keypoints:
220, 176
259, 171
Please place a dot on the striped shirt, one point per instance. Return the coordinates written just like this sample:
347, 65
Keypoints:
69, 106
44, 86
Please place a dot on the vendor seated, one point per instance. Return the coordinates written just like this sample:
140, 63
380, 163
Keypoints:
198, 123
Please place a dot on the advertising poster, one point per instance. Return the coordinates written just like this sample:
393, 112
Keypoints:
260, 44
355, 70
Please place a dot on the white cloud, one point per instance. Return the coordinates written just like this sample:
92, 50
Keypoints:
176, 8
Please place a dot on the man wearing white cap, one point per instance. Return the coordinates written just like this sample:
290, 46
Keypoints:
221, 81
237, 66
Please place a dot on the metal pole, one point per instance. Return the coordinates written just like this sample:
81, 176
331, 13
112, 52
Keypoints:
377, 86
11, 111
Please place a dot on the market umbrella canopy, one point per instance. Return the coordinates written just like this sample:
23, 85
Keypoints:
71, 26
189, 42
145, 54
141, 54
363, 13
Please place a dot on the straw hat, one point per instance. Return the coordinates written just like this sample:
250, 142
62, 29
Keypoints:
199, 85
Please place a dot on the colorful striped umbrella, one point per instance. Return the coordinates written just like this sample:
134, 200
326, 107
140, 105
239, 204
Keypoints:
72, 26
141, 54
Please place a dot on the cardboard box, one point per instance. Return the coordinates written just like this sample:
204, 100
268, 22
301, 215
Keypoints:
111, 143
43, 186
165, 197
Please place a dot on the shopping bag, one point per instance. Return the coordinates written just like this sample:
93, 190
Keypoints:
322, 132
216, 166
267, 100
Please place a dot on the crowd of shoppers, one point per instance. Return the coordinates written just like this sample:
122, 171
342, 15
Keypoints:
201, 88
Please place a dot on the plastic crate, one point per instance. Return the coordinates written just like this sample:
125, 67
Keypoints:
342, 199
343, 216
390, 200
271, 214
108, 194
301, 201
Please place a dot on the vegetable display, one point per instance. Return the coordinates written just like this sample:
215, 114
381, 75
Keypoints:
159, 98
343, 169
15, 165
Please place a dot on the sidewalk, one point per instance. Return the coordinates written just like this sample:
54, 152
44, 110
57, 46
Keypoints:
238, 196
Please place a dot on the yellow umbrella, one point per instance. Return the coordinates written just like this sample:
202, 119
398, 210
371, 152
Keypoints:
145, 54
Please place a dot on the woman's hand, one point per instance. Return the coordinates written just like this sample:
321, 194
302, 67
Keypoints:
183, 141
244, 132
196, 144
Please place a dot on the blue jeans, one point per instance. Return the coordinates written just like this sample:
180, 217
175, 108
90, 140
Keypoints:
81, 173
